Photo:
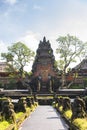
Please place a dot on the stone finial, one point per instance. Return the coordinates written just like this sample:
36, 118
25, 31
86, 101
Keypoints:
40, 41
44, 39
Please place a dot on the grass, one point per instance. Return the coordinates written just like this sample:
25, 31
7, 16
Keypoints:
44, 97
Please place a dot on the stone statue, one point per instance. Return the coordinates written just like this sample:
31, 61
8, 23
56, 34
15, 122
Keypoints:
39, 83
66, 104
50, 82
60, 101
78, 108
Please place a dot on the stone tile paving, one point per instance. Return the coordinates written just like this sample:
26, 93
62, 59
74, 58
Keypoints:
44, 118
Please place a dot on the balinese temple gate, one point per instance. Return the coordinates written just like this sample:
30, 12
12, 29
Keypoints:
43, 69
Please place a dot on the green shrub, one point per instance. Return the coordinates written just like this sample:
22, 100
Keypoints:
81, 123
61, 108
68, 114
77, 86
4, 125
19, 114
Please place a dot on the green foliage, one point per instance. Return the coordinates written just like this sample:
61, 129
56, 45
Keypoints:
81, 123
68, 114
61, 108
59, 64
85, 82
11, 85
14, 121
19, 114
4, 125
69, 49
76, 86
18, 56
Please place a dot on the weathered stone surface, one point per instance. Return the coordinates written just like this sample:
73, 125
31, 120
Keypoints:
43, 69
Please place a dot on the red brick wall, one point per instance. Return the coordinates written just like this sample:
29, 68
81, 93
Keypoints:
44, 70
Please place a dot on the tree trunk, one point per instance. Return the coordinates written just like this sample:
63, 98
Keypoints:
63, 78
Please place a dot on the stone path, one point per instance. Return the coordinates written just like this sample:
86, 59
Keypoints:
44, 118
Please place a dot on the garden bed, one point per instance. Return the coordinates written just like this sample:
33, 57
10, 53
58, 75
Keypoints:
78, 123
20, 117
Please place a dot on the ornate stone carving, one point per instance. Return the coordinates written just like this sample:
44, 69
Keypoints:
44, 66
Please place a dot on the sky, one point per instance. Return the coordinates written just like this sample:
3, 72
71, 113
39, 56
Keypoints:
29, 21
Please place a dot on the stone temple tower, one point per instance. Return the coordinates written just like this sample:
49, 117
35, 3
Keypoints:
43, 68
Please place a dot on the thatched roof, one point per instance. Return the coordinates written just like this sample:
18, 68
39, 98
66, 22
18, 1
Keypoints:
82, 65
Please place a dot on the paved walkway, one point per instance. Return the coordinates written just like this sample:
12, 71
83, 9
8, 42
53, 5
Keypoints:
44, 118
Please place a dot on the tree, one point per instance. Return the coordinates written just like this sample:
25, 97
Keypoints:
18, 56
69, 48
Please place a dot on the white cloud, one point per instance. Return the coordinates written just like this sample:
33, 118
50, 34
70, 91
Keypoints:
3, 46
66, 18
31, 39
12, 2
75, 22
37, 7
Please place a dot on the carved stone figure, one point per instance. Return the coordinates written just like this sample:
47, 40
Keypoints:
8, 110
78, 108
66, 104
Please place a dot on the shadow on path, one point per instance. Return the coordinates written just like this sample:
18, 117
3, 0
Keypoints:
44, 118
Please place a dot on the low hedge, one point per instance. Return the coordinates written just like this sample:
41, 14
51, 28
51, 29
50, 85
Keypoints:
20, 117
4, 125
68, 114
80, 123
76, 124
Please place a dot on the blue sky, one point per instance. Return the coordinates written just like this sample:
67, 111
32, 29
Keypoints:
30, 20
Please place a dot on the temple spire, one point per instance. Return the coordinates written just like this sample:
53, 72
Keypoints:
43, 67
